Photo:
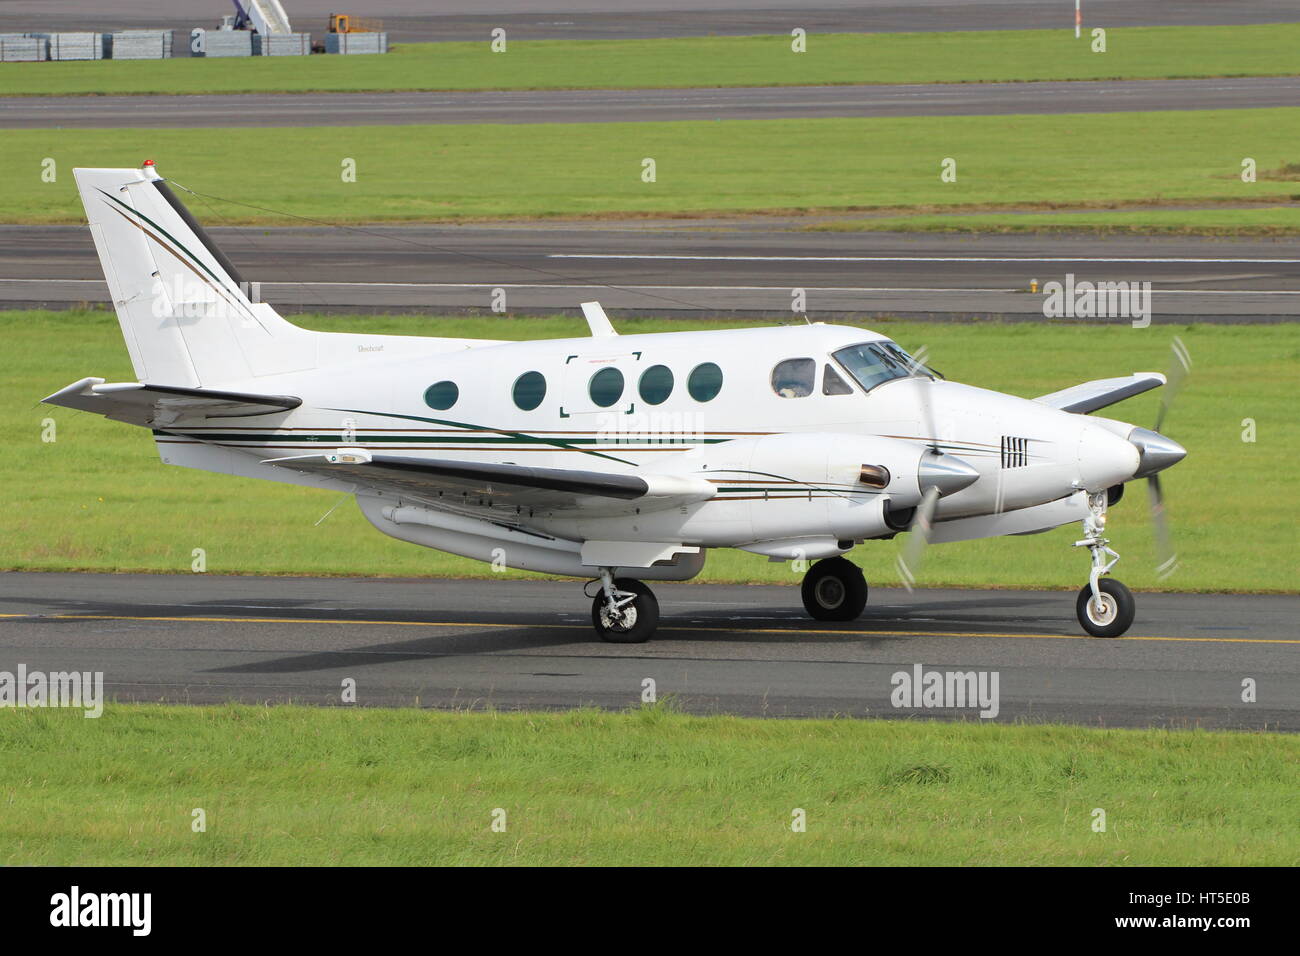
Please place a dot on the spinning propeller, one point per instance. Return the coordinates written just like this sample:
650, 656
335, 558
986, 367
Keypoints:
908, 562
1156, 453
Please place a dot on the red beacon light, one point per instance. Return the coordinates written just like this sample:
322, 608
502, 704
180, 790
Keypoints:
150, 169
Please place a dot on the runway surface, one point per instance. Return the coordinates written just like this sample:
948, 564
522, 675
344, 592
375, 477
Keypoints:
414, 21
745, 650
699, 267
622, 106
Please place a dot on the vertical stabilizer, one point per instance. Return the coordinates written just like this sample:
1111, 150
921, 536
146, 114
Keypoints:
184, 315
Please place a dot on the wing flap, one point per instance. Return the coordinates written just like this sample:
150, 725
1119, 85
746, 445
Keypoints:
158, 406
1103, 392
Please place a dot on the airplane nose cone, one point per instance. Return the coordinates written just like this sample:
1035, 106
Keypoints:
1155, 451
945, 473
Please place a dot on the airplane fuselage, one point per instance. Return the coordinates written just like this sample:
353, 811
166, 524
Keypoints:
782, 463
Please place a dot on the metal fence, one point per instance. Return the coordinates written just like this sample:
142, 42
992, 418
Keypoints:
73, 46
286, 44
19, 48
228, 43
138, 45
157, 45
356, 43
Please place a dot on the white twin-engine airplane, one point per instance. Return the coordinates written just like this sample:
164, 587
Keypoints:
616, 458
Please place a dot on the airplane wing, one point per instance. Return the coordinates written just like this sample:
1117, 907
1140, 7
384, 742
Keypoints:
1090, 396
470, 485
157, 406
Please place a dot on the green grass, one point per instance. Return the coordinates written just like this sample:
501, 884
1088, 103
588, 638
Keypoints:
968, 57
414, 173
289, 785
99, 499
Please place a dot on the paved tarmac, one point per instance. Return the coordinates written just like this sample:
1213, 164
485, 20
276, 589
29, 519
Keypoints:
734, 649
699, 267
620, 106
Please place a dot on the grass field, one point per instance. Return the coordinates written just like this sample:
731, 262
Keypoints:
968, 57
414, 173
97, 498
288, 785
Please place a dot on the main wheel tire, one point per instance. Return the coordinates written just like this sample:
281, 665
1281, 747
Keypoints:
834, 590
1118, 608
641, 617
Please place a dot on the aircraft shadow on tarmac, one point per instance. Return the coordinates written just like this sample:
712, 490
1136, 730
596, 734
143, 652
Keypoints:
552, 629
719, 629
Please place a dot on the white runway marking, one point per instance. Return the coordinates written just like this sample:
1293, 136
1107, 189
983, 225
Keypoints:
602, 255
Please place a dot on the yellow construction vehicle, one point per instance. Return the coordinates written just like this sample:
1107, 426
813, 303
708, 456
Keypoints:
345, 23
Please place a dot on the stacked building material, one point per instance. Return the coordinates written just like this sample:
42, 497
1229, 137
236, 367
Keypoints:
139, 44
356, 43
74, 46
18, 47
286, 44
229, 43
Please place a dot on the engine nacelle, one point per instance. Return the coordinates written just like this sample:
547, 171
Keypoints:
833, 486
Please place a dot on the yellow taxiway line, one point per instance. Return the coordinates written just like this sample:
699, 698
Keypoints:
802, 632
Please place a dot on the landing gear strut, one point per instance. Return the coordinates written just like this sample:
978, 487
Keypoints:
624, 611
834, 590
1104, 608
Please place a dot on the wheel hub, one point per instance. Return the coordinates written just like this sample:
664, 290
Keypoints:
619, 619
830, 592
1105, 614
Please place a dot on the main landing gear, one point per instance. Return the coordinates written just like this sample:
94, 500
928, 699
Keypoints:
624, 611
834, 590
1104, 608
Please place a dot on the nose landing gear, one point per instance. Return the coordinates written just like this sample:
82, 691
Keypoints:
1104, 608
624, 611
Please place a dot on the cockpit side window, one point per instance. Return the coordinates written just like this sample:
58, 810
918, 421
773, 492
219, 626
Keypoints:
832, 384
794, 378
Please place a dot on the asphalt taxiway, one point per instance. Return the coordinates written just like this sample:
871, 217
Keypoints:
691, 267
730, 649
206, 111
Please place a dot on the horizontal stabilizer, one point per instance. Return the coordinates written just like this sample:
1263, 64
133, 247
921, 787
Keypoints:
1090, 396
489, 483
158, 406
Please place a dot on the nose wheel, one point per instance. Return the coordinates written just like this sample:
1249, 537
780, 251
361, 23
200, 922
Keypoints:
834, 590
1105, 608
624, 611
1108, 614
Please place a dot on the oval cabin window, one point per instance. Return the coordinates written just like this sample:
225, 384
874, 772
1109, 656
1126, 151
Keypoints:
529, 390
442, 395
704, 382
656, 384
606, 387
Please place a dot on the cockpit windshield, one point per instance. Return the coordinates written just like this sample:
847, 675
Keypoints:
873, 363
